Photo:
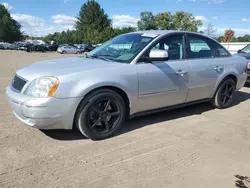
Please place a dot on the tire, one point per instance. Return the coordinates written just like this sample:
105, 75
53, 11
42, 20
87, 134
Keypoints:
219, 100
63, 52
92, 111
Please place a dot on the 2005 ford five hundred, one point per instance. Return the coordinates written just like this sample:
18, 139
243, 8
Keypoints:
132, 74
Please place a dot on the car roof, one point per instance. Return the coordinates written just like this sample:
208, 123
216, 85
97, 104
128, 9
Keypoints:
164, 32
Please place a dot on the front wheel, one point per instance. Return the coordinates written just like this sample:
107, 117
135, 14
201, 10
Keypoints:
101, 114
223, 97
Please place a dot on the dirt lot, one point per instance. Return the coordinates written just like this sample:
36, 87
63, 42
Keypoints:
192, 147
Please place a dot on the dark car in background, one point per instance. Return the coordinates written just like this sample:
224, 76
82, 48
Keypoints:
23, 46
245, 52
1, 47
86, 48
37, 48
52, 47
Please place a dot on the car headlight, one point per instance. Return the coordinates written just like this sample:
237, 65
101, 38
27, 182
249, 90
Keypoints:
42, 87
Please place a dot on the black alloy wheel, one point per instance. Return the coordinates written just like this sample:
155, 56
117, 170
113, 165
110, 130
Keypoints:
100, 114
226, 95
103, 116
223, 97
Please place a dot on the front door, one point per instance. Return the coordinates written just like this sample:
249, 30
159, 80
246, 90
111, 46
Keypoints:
164, 83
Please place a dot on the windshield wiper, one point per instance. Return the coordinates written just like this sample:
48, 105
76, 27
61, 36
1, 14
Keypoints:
101, 56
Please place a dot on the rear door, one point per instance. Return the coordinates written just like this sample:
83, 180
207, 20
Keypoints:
207, 60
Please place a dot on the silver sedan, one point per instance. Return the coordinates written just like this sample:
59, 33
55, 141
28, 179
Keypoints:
68, 50
130, 75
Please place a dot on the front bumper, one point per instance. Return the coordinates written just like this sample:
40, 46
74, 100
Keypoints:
43, 113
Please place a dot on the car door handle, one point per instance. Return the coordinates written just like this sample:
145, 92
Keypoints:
218, 68
181, 72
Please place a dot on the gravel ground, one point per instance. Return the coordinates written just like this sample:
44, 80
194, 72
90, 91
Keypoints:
196, 146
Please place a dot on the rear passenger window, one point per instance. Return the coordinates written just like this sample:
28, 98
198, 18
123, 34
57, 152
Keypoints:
199, 48
202, 47
219, 51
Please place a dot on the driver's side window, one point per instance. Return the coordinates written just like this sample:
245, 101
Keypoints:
173, 45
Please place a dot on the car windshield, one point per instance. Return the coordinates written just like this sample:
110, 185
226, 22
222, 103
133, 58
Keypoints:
122, 48
246, 49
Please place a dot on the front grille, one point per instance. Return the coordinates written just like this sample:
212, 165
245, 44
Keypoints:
18, 83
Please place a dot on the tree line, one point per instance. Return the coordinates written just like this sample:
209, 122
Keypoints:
94, 26
229, 36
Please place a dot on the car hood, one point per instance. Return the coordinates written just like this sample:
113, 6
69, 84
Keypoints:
247, 56
59, 67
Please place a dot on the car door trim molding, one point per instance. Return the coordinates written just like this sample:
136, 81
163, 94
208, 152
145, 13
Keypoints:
148, 112
158, 92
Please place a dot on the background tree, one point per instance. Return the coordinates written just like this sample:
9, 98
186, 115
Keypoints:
210, 30
147, 21
73, 37
229, 35
185, 21
92, 22
164, 21
245, 38
220, 39
119, 31
10, 29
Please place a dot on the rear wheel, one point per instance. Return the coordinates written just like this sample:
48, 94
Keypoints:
101, 114
223, 97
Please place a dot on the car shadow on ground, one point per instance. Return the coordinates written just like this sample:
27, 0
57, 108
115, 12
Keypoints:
64, 135
242, 181
139, 122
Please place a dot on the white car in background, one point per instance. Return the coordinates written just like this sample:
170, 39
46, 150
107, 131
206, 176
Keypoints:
68, 50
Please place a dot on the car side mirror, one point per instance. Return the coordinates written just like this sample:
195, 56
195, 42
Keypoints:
157, 55
239, 51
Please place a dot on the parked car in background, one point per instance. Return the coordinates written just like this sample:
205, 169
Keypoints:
12, 46
62, 45
52, 47
68, 50
5, 45
97, 45
130, 75
37, 48
23, 46
1, 47
86, 48
245, 52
